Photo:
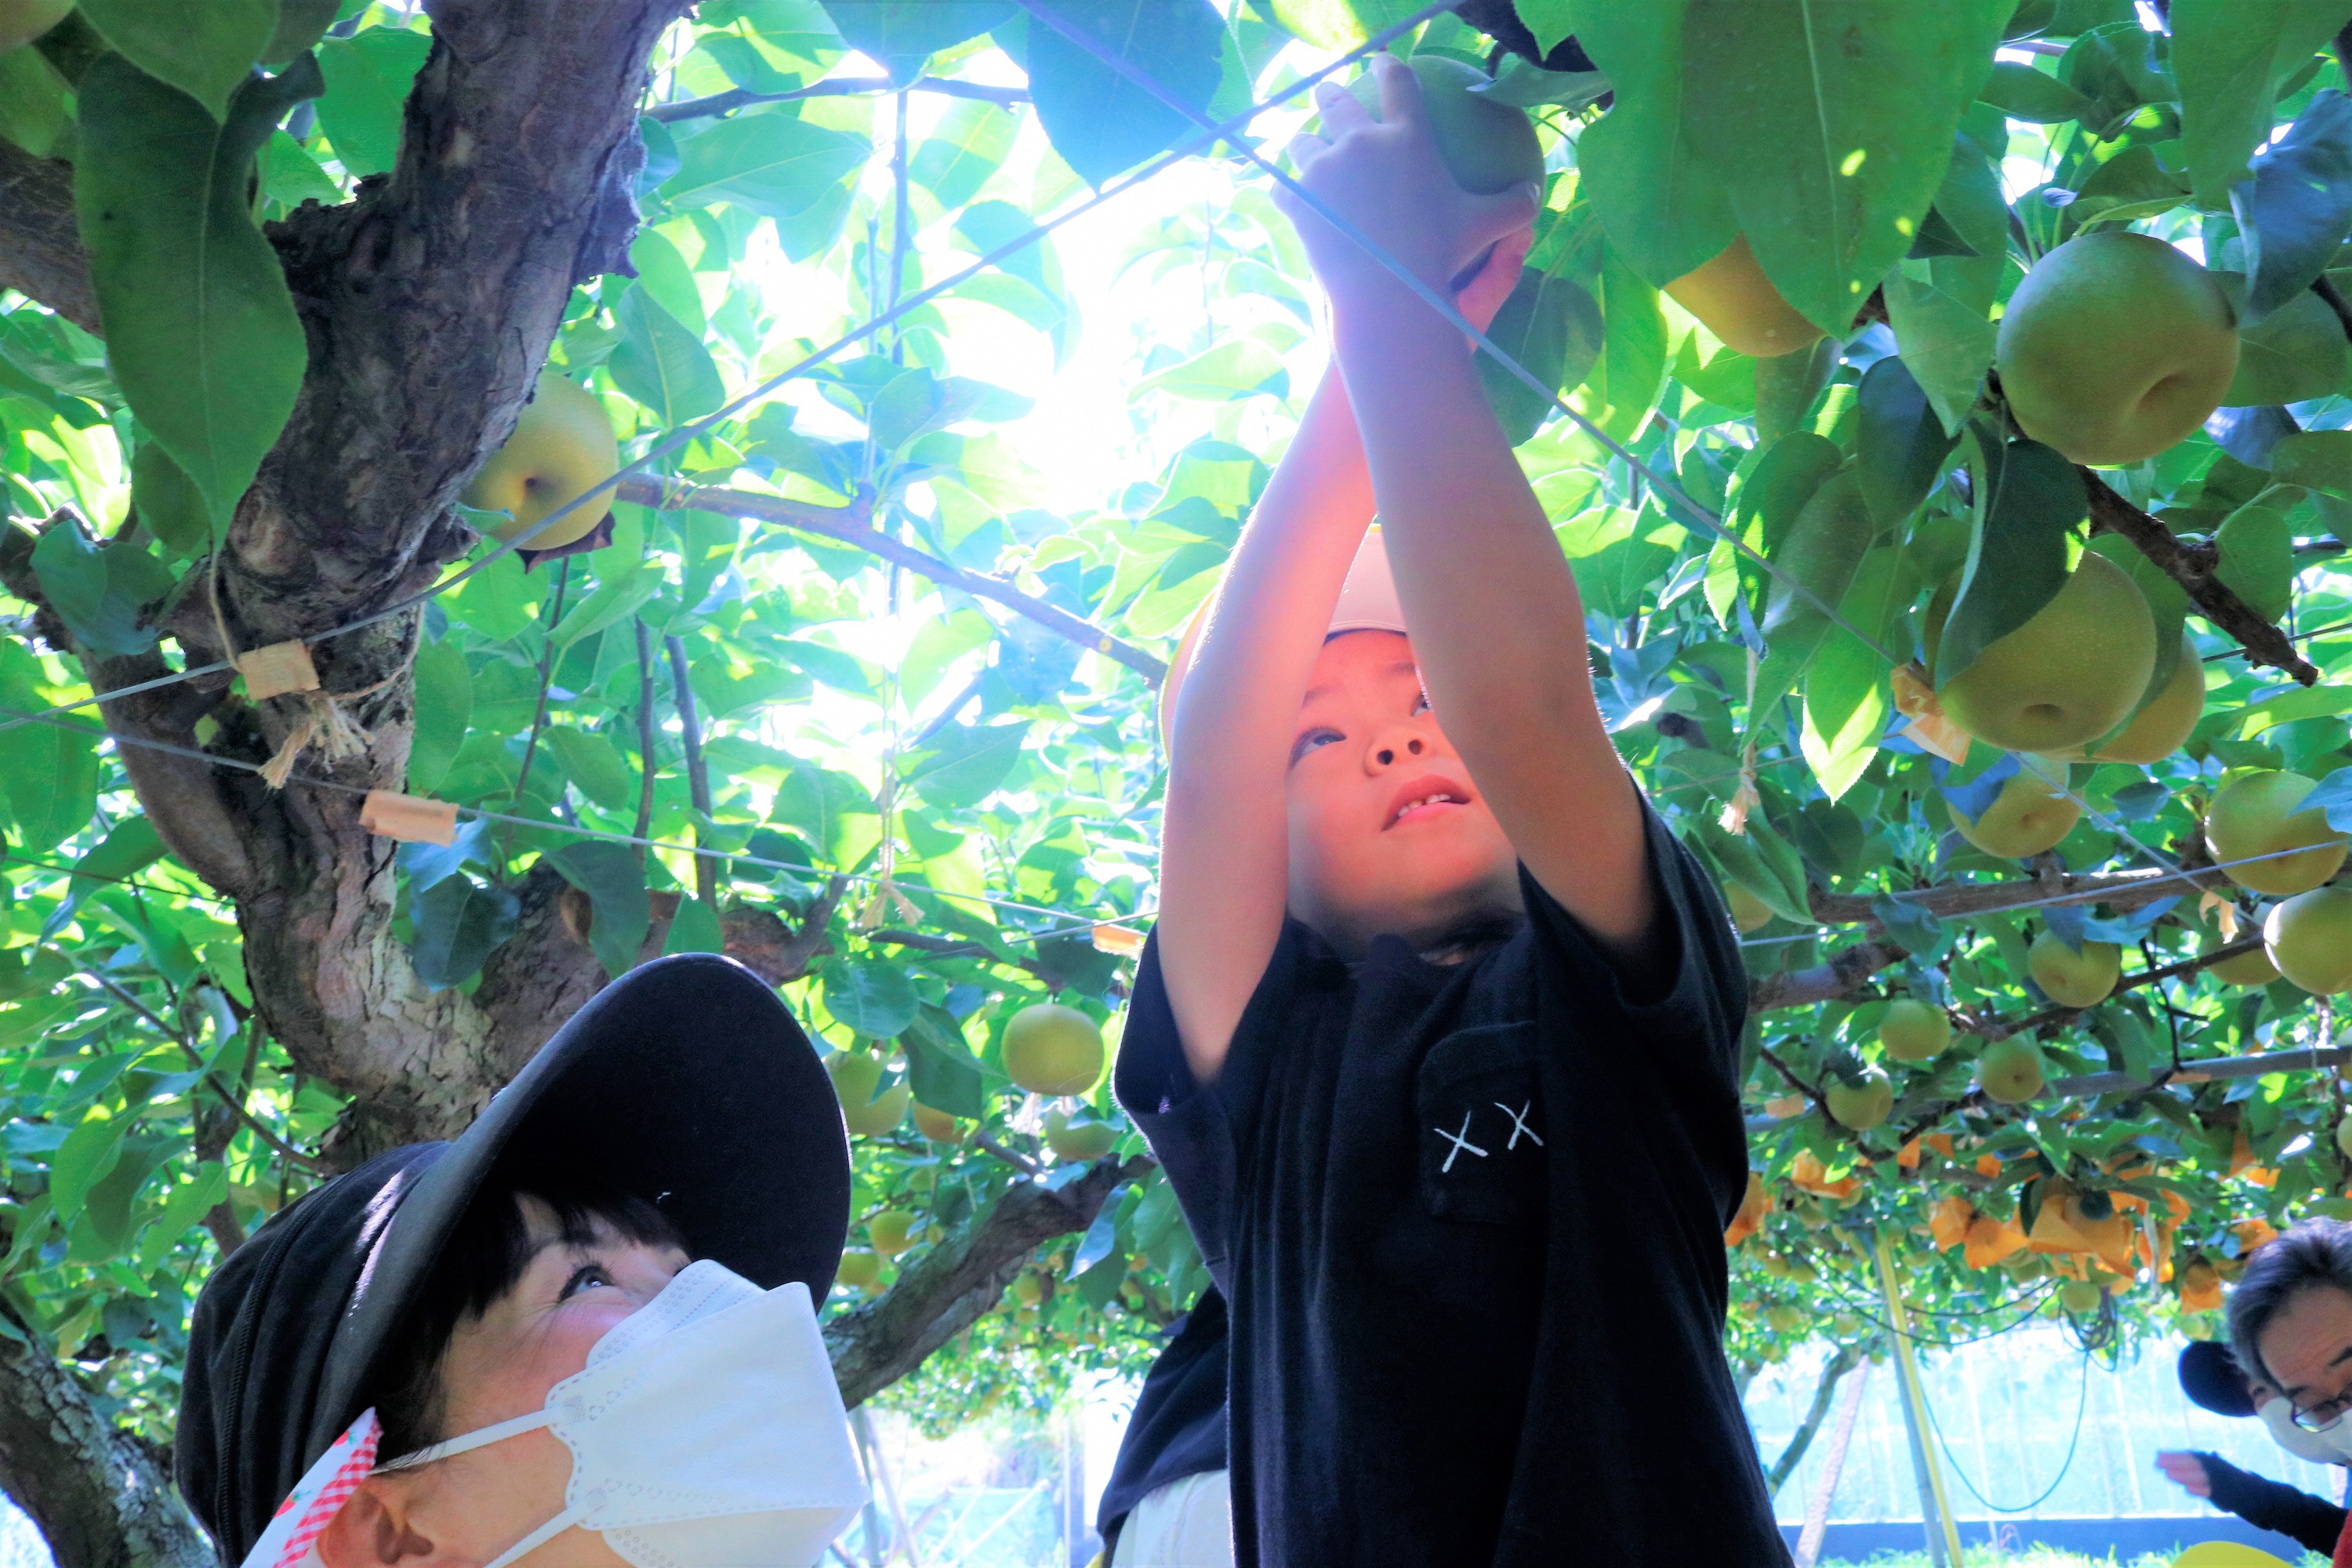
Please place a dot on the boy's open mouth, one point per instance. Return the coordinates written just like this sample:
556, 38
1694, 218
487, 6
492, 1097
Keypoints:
1424, 798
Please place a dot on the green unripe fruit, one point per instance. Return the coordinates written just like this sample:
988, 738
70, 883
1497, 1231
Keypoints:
2066, 676
2258, 814
1488, 147
1081, 1144
1859, 1105
2011, 1070
1912, 1031
2030, 815
2309, 937
860, 1269
891, 1231
2075, 979
1749, 912
1053, 1051
866, 1114
562, 443
2080, 1295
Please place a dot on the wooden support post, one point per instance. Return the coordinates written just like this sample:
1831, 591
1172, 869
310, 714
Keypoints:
1935, 1512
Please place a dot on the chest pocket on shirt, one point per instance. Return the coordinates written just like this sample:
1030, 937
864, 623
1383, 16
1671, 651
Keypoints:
1482, 1125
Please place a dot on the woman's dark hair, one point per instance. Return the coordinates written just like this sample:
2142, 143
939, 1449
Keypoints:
485, 1255
2315, 1255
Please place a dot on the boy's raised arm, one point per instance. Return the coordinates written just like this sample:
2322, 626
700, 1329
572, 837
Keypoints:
1492, 608
1224, 842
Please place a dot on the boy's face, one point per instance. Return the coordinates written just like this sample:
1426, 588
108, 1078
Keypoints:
1387, 834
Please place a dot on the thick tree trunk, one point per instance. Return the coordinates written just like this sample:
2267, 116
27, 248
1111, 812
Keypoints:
1846, 1359
1817, 1506
101, 1499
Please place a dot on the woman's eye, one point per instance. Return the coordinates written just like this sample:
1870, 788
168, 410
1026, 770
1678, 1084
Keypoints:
583, 1278
1421, 703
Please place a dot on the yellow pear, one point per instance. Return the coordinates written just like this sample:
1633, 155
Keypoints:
22, 21
1859, 1105
1488, 146
2080, 1295
1749, 912
1051, 1050
2255, 815
2115, 347
1732, 298
1081, 1144
2162, 727
891, 1232
2251, 968
2068, 675
1912, 1031
2030, 815
2309, 937
2011, 1070
562, 443
937, 1125
866, 1113
860, 1269
2075, 979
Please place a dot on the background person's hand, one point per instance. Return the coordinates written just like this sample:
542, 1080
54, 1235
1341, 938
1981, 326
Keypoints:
1384, 177
1497, 275
2188, 1471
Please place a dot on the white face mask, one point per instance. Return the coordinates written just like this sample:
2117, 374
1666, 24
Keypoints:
705, 1432
2332, 1446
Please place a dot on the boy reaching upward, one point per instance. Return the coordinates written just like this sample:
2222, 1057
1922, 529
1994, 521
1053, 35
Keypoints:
1437, 1035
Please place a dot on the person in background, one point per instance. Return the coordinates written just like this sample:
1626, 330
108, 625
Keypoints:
2210, 1375
583, 1332
1168, 1503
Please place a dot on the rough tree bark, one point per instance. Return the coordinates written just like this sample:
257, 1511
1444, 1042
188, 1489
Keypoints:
102, 1499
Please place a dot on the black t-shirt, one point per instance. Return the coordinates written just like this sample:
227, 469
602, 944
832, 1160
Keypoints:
1469, 1221
1179, 1425
2274, 1505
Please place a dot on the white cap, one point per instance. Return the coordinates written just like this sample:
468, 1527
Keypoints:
1368, 603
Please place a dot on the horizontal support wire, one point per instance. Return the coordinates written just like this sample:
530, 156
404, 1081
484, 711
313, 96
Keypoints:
685, 434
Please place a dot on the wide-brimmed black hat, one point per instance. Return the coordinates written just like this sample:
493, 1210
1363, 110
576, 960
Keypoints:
2210, 1375
686, 1082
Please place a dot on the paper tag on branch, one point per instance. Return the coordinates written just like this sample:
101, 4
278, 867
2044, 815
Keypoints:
2225, 913
409, 818
1125, 941
1743, 800
275, 671
1928, 729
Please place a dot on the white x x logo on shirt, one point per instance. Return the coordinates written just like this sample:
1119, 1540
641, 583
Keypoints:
1460, 1140
1519, 1125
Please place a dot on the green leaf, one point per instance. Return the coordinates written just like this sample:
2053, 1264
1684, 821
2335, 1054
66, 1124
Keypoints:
815, 802
167, 503
89, 1151
1824, 550
2294, 353
444, 708
885, 30
1946, 343
1899, 441
187, 1203
662, 364
1098, 121
1787, 385
970, 142
2315, 459
205, 49
2228, 57
1759, 861
34, 104
2021, 92
107, 1207
1338, 24
368, 80
2028, 497
1663, 205
616, 885
940, 1067
869, 998
51, 773
595, 765
2297, 208
1832, 125
1846, 693
1551, 325
1623, 383
773, 164
300, 24
1238, 367
457, 922
200, 327
663, 273
2257, 559
694, 929
498, 601
74, 578
964, 763
130, 847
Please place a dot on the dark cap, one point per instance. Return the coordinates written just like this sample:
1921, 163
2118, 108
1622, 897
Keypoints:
2209, 1376
686, 1082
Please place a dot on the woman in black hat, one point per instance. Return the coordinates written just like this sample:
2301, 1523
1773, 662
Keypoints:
583, 1332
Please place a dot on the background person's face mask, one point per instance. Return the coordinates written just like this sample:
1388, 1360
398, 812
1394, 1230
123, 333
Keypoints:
705, 1432
2332, 1446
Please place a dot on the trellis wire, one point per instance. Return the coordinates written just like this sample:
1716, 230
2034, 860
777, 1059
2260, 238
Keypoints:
685, 434
2082, 1404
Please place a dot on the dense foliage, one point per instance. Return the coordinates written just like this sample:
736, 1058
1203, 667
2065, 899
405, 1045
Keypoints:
736, 670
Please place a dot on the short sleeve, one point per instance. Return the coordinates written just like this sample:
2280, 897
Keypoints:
1185, 1122
1694, 1013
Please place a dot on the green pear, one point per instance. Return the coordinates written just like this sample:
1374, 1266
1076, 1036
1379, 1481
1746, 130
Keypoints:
866, 1114
1488, 147
1861, 1104
2011, 1070
563, 445
1732, 298
2309, 937
1053, 1051
2068, 675
2030, 815
2075, 979
1914, 1031
2162, 727
1749, 912
2255, 814
2115, 347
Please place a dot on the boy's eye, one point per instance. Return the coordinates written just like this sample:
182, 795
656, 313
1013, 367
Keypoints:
1309, 739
